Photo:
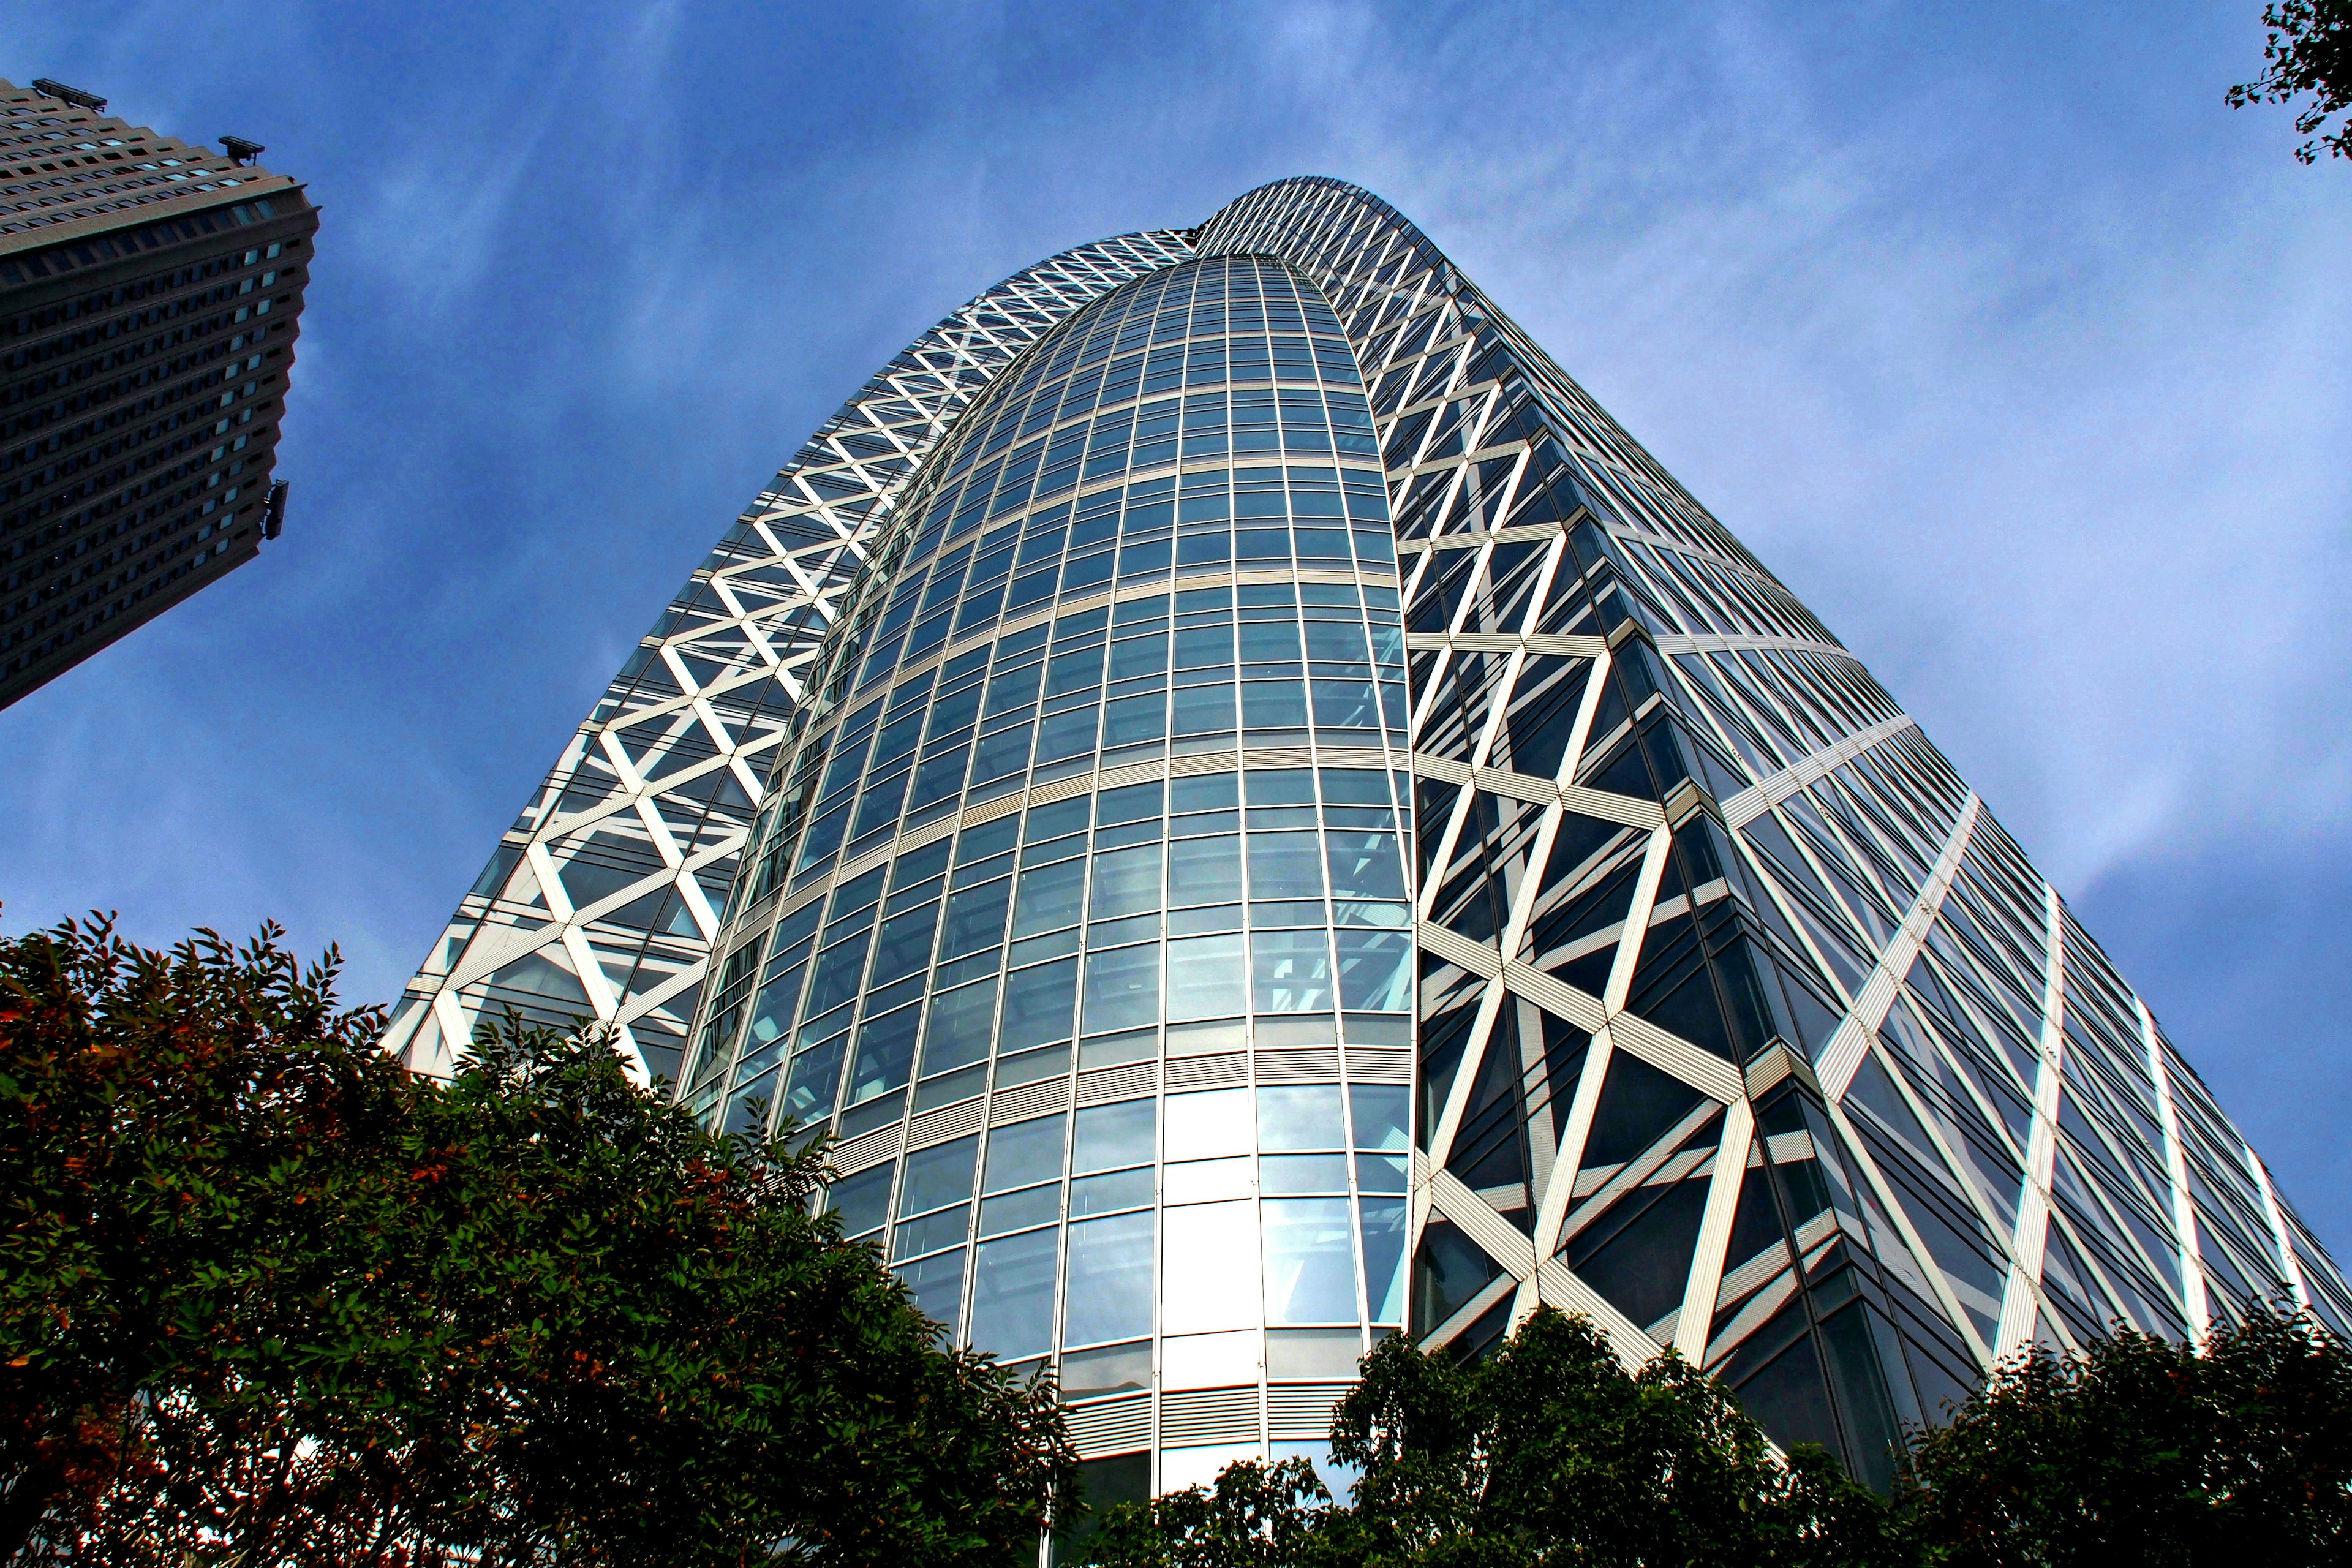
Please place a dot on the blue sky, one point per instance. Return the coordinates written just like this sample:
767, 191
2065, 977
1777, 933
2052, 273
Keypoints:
2024, 361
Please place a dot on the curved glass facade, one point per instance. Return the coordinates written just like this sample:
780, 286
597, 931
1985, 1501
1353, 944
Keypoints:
1297, 825
1081, 910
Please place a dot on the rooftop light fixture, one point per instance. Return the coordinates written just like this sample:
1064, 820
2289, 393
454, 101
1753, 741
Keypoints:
72, 95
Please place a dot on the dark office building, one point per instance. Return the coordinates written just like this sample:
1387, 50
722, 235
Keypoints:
149, 296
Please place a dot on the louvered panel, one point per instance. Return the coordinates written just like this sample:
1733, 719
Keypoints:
1111, 1425
1378, 1064
1317, 1066
1106, 1084
948, 1121
1209, 1415
1203, 763
870, 1150
1302, 1409
1208, 1072
1029, 1100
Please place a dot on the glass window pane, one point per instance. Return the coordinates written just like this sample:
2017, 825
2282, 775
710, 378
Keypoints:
1127, 882
903, 944
1065, 735
1203, 709
1049, 898
773, 1009
747, 1107
1206, 1181
1355, 787
1366, 866
1109, 1286
839, 968
885, 1054
1207, 978
1047, 823
1131, 720
1374, 976
1384, 1261
1038, 1004
988, 839
1378, 1110
940, 1174
1012, 1295
1310, 1273
975, 919
1020, 1211
937, 1286
1110, 1136
1290, 971
1210, 1125
1204, 871
1023, 1153
939, 1228
1286, 866
961, 1021
1265, 640
1300, 1116
1381, 1172
1123, 988
1211, 1254
1324, 1355
1274, 704
1114, 1369
1200, 648
1207, 792
1111, 1192
1281, 1174
1133, 804
1337, 641
863, 1201
1281, 786
1000, 754
815, 1074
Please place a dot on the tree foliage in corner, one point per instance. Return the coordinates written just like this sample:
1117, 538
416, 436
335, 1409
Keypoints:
2138, 1451
265, 1299
2307, 53
1547, 1454
2144, 1451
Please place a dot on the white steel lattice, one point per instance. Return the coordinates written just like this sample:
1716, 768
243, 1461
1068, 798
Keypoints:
602, 898
1745, 1028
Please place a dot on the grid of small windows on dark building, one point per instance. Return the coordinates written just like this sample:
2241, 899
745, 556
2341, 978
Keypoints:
149, 296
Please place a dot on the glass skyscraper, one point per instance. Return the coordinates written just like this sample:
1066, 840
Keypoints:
1272, 820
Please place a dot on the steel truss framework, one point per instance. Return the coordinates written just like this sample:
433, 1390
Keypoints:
603, 896
1743, 1027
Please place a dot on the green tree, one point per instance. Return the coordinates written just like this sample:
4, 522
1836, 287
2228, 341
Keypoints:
1546, 1455
2144, 1451
2308, 53
265, 1299
1255, 1516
